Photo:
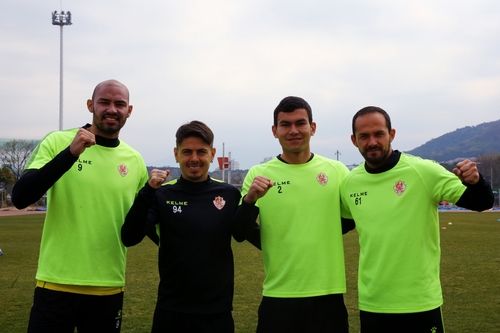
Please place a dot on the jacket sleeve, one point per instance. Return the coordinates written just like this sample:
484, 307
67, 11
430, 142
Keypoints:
36, 182
152, 234
245, 226
477, 197
136, 224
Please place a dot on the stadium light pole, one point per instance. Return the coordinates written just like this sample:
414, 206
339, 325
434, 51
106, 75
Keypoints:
491, 172
491, 177
61, 19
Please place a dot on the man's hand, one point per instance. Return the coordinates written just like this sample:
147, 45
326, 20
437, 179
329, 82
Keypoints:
83, 139
157, 177
258, 189
467, 172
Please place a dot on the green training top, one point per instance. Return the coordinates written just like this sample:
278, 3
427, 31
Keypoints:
86, 208
398, 224
301, 232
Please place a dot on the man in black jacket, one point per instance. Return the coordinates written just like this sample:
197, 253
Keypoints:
193, 216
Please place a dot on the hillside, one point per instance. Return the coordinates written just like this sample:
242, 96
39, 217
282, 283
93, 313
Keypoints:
466, 142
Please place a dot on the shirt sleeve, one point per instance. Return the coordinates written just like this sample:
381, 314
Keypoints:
137, 224
36, 182
477, 197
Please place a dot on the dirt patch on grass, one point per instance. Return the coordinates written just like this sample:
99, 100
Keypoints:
13, 212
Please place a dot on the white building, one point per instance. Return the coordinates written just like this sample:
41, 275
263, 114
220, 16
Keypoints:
235, 165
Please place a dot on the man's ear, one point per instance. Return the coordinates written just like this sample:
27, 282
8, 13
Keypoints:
90, 105
214, 151
275, 131
392, 135
175, 155
353, 140
130, 107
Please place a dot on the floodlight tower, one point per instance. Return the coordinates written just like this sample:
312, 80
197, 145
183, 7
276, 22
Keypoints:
61, 19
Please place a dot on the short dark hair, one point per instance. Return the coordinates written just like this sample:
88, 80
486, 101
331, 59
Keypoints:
197, 129
371, 109
290, 104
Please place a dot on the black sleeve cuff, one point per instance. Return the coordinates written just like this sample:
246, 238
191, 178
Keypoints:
477, 196
34, 183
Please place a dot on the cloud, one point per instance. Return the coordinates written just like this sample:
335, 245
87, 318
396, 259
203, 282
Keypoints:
432, 65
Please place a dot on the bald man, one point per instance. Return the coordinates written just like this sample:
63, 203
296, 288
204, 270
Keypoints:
91, 179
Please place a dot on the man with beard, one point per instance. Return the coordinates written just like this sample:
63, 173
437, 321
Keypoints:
393, 198
91, 179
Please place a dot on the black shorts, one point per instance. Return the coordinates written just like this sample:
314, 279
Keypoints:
303, 315
419, 322
57, 311
173, 322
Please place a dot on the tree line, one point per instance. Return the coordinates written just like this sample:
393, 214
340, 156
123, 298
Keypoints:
14, 155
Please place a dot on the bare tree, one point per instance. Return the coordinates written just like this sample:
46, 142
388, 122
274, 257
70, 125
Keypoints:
489, 166
15, 153
6, 179
6, 176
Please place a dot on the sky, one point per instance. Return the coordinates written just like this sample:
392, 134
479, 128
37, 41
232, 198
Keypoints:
434, 66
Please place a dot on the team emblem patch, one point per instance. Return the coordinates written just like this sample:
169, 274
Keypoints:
219, 202
322, 179
399, 187
123, 170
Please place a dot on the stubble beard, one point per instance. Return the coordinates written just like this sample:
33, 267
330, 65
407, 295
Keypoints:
109, 130
377, 161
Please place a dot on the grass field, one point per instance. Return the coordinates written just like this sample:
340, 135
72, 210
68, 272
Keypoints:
470, 276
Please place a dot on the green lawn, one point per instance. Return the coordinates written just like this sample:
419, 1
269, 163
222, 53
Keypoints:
470, 276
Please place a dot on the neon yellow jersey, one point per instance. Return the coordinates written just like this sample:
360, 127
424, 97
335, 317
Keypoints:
397, 221
301, 232
86, 208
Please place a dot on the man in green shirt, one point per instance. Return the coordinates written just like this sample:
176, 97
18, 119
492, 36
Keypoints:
91, 179
297, 198
393, 198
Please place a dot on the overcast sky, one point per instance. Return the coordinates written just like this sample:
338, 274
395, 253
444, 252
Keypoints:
434, 66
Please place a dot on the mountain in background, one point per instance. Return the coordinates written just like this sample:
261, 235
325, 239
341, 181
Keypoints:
466, 142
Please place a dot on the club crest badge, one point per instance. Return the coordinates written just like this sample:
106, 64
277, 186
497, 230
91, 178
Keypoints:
322, 179
399, 187
123, 170
219, 202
